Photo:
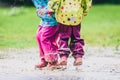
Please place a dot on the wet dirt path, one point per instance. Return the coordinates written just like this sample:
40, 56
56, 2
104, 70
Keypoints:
98, 64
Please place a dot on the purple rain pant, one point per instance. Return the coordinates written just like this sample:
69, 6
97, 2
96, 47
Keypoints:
47, 42
76, 43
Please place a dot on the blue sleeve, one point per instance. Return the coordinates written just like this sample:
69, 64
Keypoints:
37, 3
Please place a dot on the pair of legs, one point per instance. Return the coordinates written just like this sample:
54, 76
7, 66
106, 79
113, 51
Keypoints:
47, 42
76, 44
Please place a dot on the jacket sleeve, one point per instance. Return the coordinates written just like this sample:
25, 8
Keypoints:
53, 5
86, 4
36, 3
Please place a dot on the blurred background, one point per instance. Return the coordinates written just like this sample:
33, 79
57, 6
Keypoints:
18, 24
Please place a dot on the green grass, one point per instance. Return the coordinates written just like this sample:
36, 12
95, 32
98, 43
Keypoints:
18, 27
100, 28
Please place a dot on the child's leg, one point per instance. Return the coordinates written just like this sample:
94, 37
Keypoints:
76, 45
42, 63
64, 51
48, 36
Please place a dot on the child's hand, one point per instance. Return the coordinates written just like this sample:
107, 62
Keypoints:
50, 13
85, 14
41, 11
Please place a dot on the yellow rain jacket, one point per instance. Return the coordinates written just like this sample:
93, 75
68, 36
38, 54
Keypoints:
69, 12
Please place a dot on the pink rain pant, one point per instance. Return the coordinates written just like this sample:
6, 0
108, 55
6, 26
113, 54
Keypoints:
76, 43
47, 38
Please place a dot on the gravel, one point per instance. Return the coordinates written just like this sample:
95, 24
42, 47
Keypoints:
99, 63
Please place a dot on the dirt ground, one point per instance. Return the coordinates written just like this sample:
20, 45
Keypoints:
99, 63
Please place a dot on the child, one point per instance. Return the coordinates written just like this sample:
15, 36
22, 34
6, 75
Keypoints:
46, 35
69, 14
